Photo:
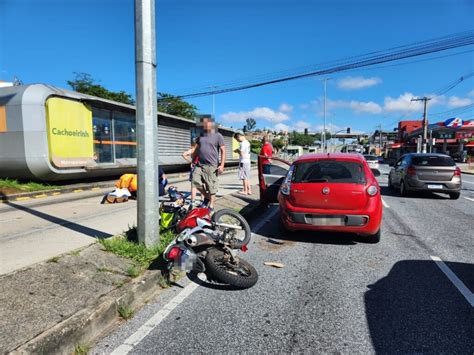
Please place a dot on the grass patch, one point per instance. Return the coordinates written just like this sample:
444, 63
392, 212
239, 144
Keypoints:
119, 283
75, 252
164, 283
133, 271
81, 349
125, 312
125, 246
105, 269
23, 186
54, 259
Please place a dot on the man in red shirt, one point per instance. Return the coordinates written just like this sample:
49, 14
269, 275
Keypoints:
267, 151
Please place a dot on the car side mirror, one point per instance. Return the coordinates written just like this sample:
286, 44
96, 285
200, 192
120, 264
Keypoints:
376, 172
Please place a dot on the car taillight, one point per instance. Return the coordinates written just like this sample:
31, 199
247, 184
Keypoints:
411, 171
457, 171
285, 188
174, 253
372, 190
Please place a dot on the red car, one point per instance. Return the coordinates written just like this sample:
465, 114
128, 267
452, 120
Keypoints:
325, 192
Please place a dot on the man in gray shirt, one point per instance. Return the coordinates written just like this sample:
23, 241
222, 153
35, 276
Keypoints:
210, 150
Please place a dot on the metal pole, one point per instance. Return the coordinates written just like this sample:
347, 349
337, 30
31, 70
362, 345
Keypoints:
431, 141
214, 106
425, 120
147, 130
324, 124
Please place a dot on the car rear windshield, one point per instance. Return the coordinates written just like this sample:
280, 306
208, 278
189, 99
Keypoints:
329, 171
433, 161
370, 157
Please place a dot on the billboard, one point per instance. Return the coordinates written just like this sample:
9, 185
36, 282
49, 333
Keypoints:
70, 136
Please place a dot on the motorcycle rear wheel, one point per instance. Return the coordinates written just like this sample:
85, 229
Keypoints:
239, 274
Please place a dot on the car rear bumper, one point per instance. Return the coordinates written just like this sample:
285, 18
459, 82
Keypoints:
365, 221
433, 186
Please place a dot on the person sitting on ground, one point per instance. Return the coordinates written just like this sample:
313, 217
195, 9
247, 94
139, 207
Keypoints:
244, 163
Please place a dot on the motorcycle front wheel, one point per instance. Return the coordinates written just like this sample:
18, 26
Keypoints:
225, 218
239, 273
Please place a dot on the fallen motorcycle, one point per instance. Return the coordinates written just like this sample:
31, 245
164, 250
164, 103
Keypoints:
210, 245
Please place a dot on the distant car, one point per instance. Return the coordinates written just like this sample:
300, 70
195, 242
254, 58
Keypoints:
372, 160
326, 192
426, 172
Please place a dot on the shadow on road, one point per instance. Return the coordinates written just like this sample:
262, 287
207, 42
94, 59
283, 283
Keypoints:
385, 191
91, 232
415, 309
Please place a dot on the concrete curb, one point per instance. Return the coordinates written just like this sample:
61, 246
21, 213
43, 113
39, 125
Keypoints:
94, 321
89, 324
86, 187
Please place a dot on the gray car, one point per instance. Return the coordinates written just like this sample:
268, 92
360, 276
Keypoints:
426, 172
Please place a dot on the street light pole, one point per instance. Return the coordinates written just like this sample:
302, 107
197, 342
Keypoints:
147, 125
425, 120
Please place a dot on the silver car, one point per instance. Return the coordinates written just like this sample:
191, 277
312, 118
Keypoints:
372, 160
426, 172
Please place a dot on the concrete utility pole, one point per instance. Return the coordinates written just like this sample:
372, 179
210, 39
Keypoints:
323, 137
425, 120
147, 123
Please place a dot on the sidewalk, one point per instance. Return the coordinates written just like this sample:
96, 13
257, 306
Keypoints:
73, 299
466, 168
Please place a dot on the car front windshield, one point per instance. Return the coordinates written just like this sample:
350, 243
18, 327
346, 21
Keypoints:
331, 171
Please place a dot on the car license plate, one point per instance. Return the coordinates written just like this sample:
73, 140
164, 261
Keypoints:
435, 186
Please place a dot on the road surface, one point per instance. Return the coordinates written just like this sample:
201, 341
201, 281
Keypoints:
335, 294
34, 231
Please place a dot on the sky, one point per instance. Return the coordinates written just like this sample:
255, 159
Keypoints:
203, 43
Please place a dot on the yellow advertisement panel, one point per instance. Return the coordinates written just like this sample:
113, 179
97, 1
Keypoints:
69, 125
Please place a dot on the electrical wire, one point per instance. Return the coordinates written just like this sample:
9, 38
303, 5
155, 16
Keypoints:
408, 51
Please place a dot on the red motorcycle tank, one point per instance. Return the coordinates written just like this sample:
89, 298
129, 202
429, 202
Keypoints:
190, 221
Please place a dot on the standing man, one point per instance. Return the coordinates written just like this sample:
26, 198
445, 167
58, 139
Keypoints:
244, 162
267, 152
210, 150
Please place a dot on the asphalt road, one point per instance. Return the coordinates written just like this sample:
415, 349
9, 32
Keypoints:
335, 294
37, 230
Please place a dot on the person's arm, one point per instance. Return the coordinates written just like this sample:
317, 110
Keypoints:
222, 150
187, 155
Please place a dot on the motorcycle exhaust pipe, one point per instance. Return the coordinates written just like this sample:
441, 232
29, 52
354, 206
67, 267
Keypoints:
231, 226
191, 241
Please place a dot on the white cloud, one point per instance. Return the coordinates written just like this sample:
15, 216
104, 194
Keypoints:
258, 113
403, 103
455, 101
284, 107
281, 127
470, 93
358, 82
357, 107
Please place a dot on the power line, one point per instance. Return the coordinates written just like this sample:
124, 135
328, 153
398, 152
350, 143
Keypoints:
408, 51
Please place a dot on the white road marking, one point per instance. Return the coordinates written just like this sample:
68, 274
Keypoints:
470, 199
385, 204
134, 339
154, 321
468, 295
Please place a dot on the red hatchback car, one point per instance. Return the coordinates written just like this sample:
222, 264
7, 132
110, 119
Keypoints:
325, 192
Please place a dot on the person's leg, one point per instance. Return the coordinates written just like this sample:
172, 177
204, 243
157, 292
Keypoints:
197, 182
211, 182
241, 175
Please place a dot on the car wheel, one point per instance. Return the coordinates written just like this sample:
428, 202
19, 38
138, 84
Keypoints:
454, 195
390, 184
403, 189
374, 238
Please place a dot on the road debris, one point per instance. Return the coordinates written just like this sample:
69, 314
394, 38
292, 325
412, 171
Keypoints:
274, 264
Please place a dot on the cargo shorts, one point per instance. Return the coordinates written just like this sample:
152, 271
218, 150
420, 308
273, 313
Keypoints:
206, 177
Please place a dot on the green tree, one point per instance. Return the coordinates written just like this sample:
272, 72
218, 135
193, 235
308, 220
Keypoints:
250, 124
84, 83
278, 144
301, 139
256, 146
174, 105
